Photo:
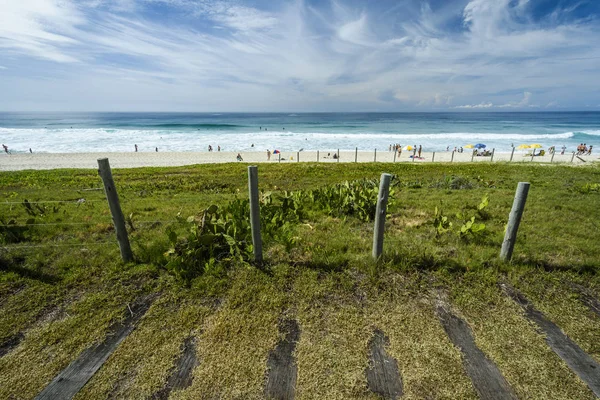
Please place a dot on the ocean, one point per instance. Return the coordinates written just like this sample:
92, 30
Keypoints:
119, 132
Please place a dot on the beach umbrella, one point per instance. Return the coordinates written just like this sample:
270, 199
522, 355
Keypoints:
469, 146
480, 146
536, 146
276, 152
407, 147
523, 146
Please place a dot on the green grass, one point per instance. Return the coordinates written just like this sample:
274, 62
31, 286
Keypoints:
62, 286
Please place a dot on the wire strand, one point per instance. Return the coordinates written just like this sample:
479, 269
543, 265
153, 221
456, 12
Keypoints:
50, 201
55, 245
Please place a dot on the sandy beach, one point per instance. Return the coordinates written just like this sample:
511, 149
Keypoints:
15, 162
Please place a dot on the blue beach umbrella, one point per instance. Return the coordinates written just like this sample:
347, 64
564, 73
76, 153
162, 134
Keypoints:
480, 146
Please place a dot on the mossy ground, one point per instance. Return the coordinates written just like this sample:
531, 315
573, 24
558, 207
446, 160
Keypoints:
62, 286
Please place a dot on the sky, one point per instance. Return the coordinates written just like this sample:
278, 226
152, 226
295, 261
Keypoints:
299, 55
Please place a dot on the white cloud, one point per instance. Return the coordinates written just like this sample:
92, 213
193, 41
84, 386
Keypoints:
476, 106
296, 55
3, 67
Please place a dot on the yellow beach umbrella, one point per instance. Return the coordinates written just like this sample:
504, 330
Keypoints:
536, 146
523, 146
408, 148
469, 146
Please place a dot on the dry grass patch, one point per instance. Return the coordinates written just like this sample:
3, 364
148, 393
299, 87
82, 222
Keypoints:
236, 341
141, 365
49, 348
554, 295
430, 365
332, 352
512, 342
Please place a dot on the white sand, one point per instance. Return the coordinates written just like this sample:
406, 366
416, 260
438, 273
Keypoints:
16, 162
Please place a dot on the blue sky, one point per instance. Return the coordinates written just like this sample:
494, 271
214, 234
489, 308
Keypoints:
299, 55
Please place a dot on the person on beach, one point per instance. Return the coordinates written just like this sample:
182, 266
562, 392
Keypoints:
589, 153
268, 155
156, 149
136, 148
5, 148
209, 147
31, 152
562, 152
239, 157
219, 148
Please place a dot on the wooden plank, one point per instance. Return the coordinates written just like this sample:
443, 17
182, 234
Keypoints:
70, 380
181, 376
282, 370
487, 379
578, 360
383, 376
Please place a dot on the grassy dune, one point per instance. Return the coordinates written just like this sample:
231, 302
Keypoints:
62, 283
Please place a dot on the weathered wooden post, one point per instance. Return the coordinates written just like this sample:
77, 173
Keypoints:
552, 158
473, 154
338, 155
279, 156
255, 212
395, 153
532, 155
317, 155
512, 154
356, 155
115, 209
572, 158
375, 156
514, 219
493, 151
382, 200
433, 157
298, 157
452, 158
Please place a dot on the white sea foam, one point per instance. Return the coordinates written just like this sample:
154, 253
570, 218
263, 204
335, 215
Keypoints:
116, 139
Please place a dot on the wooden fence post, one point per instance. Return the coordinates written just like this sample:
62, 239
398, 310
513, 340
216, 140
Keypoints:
382, 200
572, 158
279, 156
298, 157
473, 154
338, 155
255, 213
433, 157
395, 153
115, 209
375, 156
356, 155
317, 155
552, 158
512, 154
514, 219
493, 151
452, 158
532, 155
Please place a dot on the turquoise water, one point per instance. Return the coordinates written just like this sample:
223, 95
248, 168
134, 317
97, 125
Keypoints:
92, 132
